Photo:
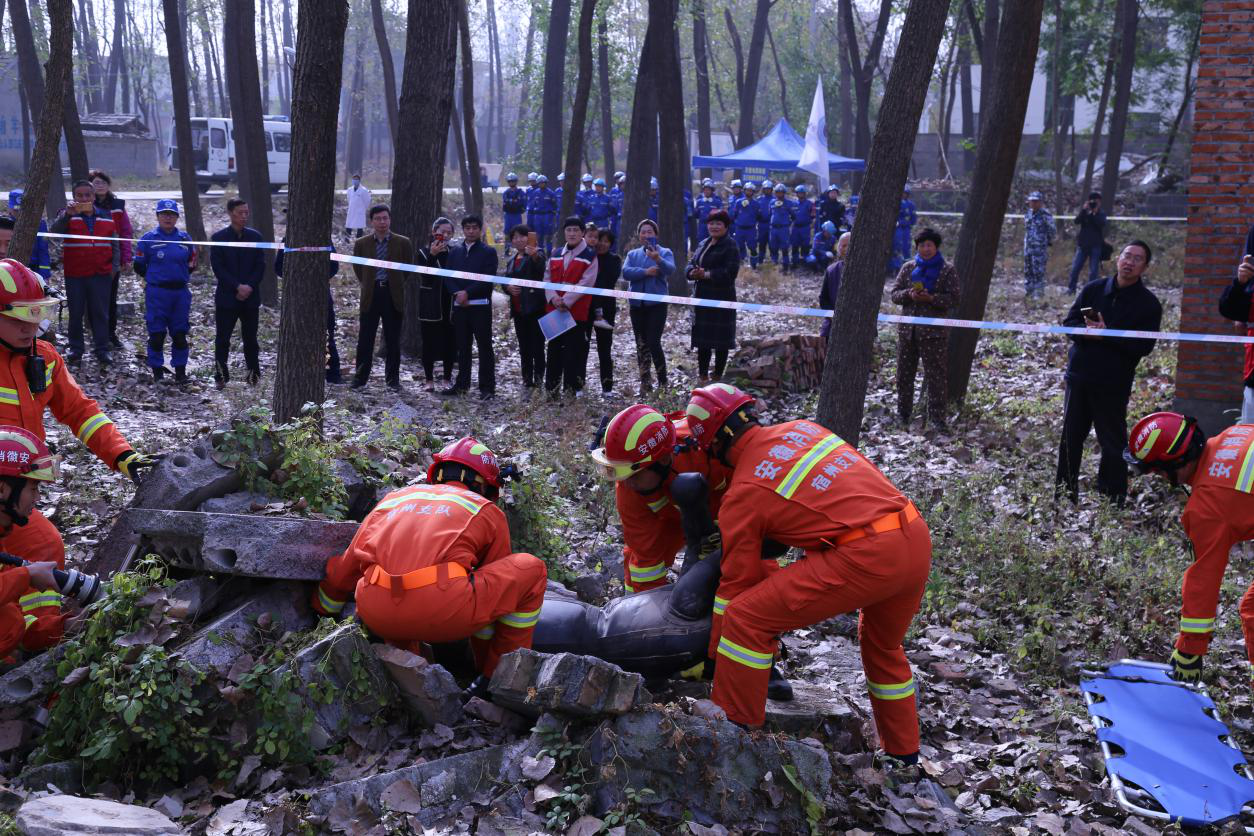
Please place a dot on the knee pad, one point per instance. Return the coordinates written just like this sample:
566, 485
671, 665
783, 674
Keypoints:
179, 340
156, 340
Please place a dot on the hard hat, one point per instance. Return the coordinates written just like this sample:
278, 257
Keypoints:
634, 439
511, 178
587, 178
467, 454
736, 184
618, 175
15, 198
779, 187
600, 181
1036, 196
620, 178
25, 455
833, 188
542, 178
828, 227
652, 182
1163, 441
167, 205
801, 188
707, 183
767, 184
716, 407
532, 176
23, 295
750, 187
561, 177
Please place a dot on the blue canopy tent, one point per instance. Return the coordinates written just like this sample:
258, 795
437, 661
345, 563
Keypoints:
779, 150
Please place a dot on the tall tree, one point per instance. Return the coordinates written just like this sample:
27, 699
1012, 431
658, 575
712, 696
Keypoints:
1186, 97
385, 63
844, 91
1128, 15
522, 122
468, 110
848, 364
426, 99
674, 162
299, 375
75, 145
553, 94
354, 146
1108, 76
31, 78
864, 69
992, 179
700, 59
45, 158
603, 78
459, 146
265, 62
753, 69
1055, 102
117, 57
238, 29
579, 113
176, 49
642, 142
498, 99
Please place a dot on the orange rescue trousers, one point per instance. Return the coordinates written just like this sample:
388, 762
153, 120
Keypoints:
883, 576
497, 607
35, 621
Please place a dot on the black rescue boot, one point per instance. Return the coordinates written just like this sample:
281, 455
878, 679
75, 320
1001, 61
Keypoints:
180, 375
478, 688
778, 688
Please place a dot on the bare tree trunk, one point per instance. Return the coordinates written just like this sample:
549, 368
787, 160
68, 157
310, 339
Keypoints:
45, 158
176, 49
468, 111
1107, 80
642, 144
238, 31
783, 85
524, 97
191, 63
355, 145
499, 101
91, 58
1056, 126
734, 34
220, 78
967, 95
116, 56
991, 183
753, 68
300, 371
459, 145
32, 81
579, 111
607, 115
280, 66
673, 159
288, 43
265, 62
1123, 98
427, 99
845, 82
22, 103
989, 56
385, 60
553, 102
1189, 85
700, 59
848, 364
864, 75
75, 145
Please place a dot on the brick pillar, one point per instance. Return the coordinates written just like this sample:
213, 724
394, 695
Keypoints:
1221, 194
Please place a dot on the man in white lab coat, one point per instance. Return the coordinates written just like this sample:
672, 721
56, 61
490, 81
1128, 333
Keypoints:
358, 204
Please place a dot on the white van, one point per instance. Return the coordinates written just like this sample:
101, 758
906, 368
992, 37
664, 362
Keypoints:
214, 143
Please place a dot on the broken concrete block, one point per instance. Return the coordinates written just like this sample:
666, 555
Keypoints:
585, 686
69, 815
345, 661
428, 689
241, 502
217, 645
183, 480
362, 494
31, 681
290, 548
809, 708
64, 776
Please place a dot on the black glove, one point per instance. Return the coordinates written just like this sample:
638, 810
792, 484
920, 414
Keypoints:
134, 464
1186, 668
709, 544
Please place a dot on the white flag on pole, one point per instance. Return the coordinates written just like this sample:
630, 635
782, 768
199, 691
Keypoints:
814, 156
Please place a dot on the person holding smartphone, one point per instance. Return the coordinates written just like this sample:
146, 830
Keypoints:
90, 264
1101, 369
435, 305
1088, 242
646, 270
526, 304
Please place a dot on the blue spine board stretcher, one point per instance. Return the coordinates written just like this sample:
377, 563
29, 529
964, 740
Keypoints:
1164, 746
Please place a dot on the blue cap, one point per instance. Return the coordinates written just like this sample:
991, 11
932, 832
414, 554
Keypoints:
766, 184
532, 176
707, 183
600, 181
167, 205
15, 198
619, 174
587, 178
736, 184
749, 184
829, 227
542, 178
511, 177
779, 187
801, 188
561, 177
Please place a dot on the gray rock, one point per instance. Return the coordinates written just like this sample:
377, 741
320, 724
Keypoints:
428, 689
584, 686
126, 310
241, 502
363, 494
183, 480
191, 599
31, 681
66, 776
218, 645
68, 815
291, 548
343, 658
810, 707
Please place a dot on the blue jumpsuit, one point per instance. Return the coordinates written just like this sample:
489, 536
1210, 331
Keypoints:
690, 219
513, 204
616, 207
745, 226
781, 218
542, 215
166, 264
802, 228
581, 204
41, 261
599, 208
653, 205
822, 249
906, 219
706, 205
764, 225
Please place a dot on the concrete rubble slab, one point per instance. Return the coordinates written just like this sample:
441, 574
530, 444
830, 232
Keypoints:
59, 776
183, 480
218, 644
428, 689
68, 815
584, 686
811, 706
290, 548
31, 681
346, 660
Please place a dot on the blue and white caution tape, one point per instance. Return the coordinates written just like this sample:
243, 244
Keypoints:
754, 307
1019, 216
247, 245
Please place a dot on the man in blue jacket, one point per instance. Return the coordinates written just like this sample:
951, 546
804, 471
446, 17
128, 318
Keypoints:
903, 234
690, 220
746, 223
600, 209
239, 271
513, 202
781, 218
802, 224
472, 308
706, 203
41, 259
766, 196
542, 203
647, 269
165, 259
616, 202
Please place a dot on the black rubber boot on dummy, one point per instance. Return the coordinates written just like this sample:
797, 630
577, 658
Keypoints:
778, 688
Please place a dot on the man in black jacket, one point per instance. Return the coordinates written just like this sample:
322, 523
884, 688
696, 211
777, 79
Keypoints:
1089, 241
1237, 303
472, 308
239, 271
1101, 369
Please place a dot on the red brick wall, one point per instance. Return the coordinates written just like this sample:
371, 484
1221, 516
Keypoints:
1221, 194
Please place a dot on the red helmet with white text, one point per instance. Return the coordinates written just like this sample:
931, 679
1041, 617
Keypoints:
634, 439
718, 410
469, 462
1164, 441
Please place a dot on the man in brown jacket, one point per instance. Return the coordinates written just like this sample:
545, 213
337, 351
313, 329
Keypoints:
927, 286
382, 296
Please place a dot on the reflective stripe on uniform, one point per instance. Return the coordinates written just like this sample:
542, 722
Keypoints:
1245, 476
659, 504
43, 598
892, 691
1197, 625
92, 424
644, 574
27, 621
520, 619
48, 373
9, 396
485, 634
720, 605
628, 588
745, 656
430, 496
806, 463
328, 603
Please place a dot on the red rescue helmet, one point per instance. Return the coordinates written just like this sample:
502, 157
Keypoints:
1163, 441
717, 409
634, 439
469, 462
23, 295
25, 456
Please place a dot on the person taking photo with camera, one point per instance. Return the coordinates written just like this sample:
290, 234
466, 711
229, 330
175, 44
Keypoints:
1089, 241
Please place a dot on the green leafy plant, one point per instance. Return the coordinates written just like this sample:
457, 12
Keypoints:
537, 522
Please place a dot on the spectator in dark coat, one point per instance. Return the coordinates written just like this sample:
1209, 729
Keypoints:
1237, 303
1089, 241
435, 304
831, 282
604, 308
239, 271
526, 304
382, 297
1101, 369
472, 307
713, 268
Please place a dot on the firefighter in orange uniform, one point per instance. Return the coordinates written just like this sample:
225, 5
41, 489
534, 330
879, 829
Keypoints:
432, 563
25, 462
33, 379
643, 451
1218, 515
866, 548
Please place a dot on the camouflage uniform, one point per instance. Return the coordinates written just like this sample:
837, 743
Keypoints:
1037, 239
927, 342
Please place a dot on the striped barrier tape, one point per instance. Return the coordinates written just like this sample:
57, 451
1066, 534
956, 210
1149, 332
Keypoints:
248, 245
1163, 218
